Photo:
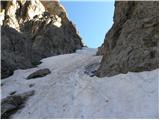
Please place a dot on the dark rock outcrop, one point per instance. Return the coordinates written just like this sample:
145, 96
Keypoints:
33, 30
39, 73
91, 69
12, 103
15, 51
100, 50
132, 42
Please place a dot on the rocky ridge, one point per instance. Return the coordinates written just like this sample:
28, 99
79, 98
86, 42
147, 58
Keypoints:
32, 30
132, 42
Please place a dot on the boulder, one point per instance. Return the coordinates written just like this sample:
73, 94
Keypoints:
12, 103
91, 69
39, 73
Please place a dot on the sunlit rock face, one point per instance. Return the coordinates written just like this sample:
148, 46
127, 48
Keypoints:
32, 30
132, 42
17, 12
2, 14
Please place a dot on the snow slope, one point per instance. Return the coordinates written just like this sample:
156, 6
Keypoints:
69, 93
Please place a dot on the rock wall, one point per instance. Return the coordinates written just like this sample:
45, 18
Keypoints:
32, 30
132, 44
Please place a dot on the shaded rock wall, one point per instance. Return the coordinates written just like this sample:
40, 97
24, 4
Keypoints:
15, 51
33, 30
132, 42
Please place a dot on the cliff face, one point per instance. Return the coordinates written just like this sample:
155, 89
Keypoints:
132, 42
32, 30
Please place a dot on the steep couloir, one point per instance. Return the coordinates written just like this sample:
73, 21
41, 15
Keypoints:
32, 30
132, 42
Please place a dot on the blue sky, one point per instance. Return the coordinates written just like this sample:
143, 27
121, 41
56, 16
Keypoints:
92, 18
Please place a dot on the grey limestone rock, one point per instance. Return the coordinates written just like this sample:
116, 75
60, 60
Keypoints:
12, 103
33, 30
39, 73
132, 42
